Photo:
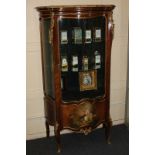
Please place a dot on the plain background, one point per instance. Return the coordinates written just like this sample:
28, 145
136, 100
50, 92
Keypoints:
13, 77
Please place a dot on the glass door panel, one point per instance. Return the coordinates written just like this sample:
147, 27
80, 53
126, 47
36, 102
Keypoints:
82, 48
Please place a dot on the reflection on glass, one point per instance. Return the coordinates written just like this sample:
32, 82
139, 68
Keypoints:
62, 83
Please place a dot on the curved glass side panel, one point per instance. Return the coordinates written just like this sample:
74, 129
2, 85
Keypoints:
47, 58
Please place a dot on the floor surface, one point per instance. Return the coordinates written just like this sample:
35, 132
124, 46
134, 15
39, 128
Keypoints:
79, 144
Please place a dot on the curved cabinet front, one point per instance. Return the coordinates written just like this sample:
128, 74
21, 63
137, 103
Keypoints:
85, 114
76, 49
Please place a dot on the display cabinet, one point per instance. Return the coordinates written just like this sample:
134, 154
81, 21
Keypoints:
76, 47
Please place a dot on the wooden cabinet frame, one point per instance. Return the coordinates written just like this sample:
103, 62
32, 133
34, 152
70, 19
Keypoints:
57, 112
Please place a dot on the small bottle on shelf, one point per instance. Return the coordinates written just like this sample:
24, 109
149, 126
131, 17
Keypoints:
75, 63
97, 37
97, 60
64, 64
64, 39
88, 36
85, 63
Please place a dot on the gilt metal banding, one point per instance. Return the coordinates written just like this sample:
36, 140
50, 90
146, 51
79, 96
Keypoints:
86, 131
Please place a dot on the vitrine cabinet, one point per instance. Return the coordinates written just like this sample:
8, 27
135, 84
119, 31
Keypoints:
76, 48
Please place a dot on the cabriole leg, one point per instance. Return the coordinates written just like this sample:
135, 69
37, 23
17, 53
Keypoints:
47, 129
108, 131
57, 137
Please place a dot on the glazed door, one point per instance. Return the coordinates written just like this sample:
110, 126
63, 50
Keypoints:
82, 55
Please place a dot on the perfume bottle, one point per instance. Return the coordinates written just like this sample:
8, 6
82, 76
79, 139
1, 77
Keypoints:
64, 64
75, 63
97, 60
77, 35
85, 63
64, 39
88, 37
97, 36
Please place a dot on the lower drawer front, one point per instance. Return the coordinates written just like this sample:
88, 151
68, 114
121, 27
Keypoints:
86, 113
